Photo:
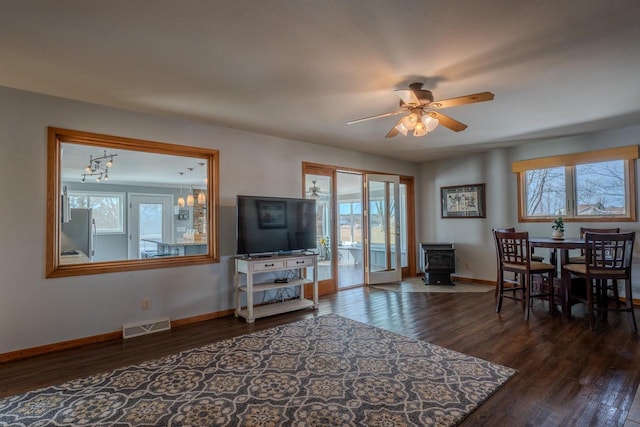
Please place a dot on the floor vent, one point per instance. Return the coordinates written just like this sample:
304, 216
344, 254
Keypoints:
145, 327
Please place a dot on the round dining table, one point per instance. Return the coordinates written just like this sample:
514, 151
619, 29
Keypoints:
563, 246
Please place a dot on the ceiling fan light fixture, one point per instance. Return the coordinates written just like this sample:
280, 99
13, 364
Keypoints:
402, 128
314, 191
410, 121
420, 130
430, 122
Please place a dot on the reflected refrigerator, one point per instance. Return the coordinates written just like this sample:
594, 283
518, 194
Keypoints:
79, 233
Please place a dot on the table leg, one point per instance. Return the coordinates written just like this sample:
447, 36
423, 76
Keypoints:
565, 278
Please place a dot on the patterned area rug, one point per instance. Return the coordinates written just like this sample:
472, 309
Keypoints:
415, 284
324, 371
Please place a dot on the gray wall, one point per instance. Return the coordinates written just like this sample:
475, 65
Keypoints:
35, 311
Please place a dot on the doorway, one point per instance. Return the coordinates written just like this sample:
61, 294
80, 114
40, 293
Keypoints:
150, 220
342, 227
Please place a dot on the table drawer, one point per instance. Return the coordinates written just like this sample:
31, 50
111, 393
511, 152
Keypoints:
299, 262
269, 265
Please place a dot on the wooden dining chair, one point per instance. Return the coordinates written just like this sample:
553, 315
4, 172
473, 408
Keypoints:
608, 257
515, 277
514, 255
580, 258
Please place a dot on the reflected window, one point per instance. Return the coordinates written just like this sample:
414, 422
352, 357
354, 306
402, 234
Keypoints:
107, 209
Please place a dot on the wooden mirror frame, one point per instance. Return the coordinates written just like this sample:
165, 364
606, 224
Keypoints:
56, 137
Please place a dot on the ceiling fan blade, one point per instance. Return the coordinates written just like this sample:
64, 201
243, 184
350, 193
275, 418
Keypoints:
448, 122
393, 132
408, 96
379, 116
462, 100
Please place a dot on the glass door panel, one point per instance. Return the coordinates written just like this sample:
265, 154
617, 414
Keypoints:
150, 221
319, 187
350, 229
402, 219
150, 228
383, 244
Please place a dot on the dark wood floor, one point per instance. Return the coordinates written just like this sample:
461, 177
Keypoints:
568, 375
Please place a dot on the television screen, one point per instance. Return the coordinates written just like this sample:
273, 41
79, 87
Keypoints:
275, 224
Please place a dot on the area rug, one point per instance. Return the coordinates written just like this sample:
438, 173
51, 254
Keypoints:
324, 371
415, 284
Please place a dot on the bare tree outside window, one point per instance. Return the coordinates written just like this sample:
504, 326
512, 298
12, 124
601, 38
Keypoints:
600, 189
107, 210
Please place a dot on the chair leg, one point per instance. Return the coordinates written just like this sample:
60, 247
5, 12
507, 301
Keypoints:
616, 294
525, 286
526, 292
633, 318
500, 289
590, 303
602, 300
629, 303
551, 292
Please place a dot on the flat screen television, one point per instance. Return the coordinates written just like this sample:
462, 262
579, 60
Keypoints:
275, 225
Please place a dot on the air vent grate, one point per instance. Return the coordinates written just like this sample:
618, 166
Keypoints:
145, 327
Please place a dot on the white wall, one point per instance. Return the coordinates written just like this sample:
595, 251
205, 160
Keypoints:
475, 251
35, 311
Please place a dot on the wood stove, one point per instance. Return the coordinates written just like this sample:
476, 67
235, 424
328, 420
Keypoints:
438, 262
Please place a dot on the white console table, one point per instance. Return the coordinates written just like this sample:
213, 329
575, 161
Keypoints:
250, 266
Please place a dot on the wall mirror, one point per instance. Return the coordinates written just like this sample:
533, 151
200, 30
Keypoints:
120, 204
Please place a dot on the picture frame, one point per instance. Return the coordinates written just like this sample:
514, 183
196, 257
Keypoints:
463, 201
272, 214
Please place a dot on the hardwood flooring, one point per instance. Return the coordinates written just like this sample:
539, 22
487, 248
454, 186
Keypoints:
568, 375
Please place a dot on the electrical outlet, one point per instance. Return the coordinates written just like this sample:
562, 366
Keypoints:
145, 304
467, 265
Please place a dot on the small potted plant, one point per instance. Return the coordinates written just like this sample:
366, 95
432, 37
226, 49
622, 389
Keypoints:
558, 228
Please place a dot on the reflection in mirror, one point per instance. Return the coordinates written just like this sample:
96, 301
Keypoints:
121, 204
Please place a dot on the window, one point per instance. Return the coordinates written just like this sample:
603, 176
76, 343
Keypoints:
107, 209
593, 186
601, 189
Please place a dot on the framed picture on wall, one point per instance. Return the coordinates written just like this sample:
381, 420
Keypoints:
463, 201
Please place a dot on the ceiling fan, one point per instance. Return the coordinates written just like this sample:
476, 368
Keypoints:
420, 106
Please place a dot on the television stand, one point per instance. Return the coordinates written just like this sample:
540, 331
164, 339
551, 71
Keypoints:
249, 267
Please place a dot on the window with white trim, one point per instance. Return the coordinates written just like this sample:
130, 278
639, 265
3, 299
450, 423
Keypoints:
593, 186
107, 209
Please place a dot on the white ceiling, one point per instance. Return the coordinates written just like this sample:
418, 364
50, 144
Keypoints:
301, 69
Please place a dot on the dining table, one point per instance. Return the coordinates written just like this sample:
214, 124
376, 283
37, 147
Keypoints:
561, 246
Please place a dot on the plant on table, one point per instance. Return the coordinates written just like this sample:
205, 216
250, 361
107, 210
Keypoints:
558, 227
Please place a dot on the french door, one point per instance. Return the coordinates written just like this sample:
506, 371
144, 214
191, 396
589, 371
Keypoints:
356, 249
382, 216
